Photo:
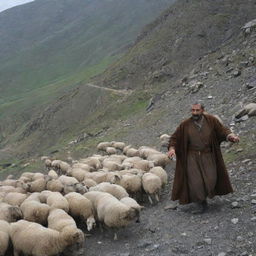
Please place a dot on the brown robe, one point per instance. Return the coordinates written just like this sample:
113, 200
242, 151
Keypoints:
200, 169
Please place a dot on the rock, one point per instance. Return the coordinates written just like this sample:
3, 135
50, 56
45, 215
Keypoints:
235, 205
239, 238
244, 254
234, 220
222, 254
253, 201
246, 161
236, 73
172, 206
253, 219
239, 150
210, 97
208, 241
144, 243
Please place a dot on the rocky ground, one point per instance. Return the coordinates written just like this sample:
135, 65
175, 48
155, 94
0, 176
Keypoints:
227, 228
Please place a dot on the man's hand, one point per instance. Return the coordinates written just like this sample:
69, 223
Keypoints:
171, 153
233, 138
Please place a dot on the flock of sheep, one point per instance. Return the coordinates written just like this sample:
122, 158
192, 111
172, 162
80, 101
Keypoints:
103, 189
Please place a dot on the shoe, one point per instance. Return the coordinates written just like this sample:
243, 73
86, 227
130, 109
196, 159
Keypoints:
202, 207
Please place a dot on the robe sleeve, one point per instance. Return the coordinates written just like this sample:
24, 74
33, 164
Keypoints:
222, 132
173, 139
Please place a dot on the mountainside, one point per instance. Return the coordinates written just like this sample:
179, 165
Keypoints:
47, 47
51, 39
185, 45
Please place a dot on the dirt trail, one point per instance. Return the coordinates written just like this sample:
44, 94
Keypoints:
124, 92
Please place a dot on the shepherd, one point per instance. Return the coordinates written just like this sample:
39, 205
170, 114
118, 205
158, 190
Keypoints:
200, 170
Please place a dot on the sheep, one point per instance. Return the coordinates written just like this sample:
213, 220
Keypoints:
249, 109
93, 162
111, 165
4, 236
139, 163
38, 175
145, 151
110, 211
89, 182
56, 200
164, 138
8, 189
15, 198
10, 213
131, 183
33, 239
53, 174
48, 163
78, 187
35, 211
151, 184
79, 174
44, 195
8, 182
64, 167
161, 173
132, 203
111, 150
118, 145
28, 175
65, 180
116, 190
37, 185
81, 207
55, 185
159, 159
131, 152
58, 219
103, 145
84, 167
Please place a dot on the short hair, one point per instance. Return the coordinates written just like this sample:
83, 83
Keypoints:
199, 103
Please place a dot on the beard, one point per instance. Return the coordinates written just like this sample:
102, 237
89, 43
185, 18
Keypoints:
196, 117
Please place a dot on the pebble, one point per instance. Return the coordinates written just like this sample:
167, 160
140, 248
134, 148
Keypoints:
234, 220
235, 205
239, 238
253, 201
222, 254
208, 241
253, 219
210, 97
253, 195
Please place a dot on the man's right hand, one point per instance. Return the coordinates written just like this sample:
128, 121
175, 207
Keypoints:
171, 153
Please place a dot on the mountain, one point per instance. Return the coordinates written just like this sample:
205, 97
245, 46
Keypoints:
6, 5
47, 47
195, 50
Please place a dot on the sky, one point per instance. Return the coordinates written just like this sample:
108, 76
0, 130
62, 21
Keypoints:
5, 4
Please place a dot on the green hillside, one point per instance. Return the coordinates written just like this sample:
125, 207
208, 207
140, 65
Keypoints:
48, 47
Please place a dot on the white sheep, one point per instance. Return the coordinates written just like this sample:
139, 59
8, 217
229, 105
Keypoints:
111, 165
33, 239
4, 236
84, 167
110, 211
55, 185
78, 187
37, 185
159, 159
103, 145
89, 182
139, 163
65, 180
93, 161
131, 183
161, 173
151, 184
131, 152
57, 200
116, 190
15, 198
81, 207
249, 109
35, 211
145, 151
10, 213
79, 173
165, 138
111, 150
133, 204
118, 145
53, 174
48, 163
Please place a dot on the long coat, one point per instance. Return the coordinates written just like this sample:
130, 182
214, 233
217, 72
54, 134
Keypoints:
180, 141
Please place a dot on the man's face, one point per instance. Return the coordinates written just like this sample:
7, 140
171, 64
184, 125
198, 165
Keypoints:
197, 112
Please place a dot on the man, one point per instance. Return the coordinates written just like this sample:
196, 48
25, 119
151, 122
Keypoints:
200, 169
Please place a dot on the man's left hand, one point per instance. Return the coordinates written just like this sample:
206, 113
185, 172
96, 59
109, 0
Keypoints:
233, 138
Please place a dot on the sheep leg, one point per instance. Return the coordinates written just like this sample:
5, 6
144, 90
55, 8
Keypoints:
157, 197
150, 199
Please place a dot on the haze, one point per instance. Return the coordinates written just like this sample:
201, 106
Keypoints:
6, 4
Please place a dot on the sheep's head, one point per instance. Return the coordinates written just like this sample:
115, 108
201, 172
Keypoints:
91, 223
15, 213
